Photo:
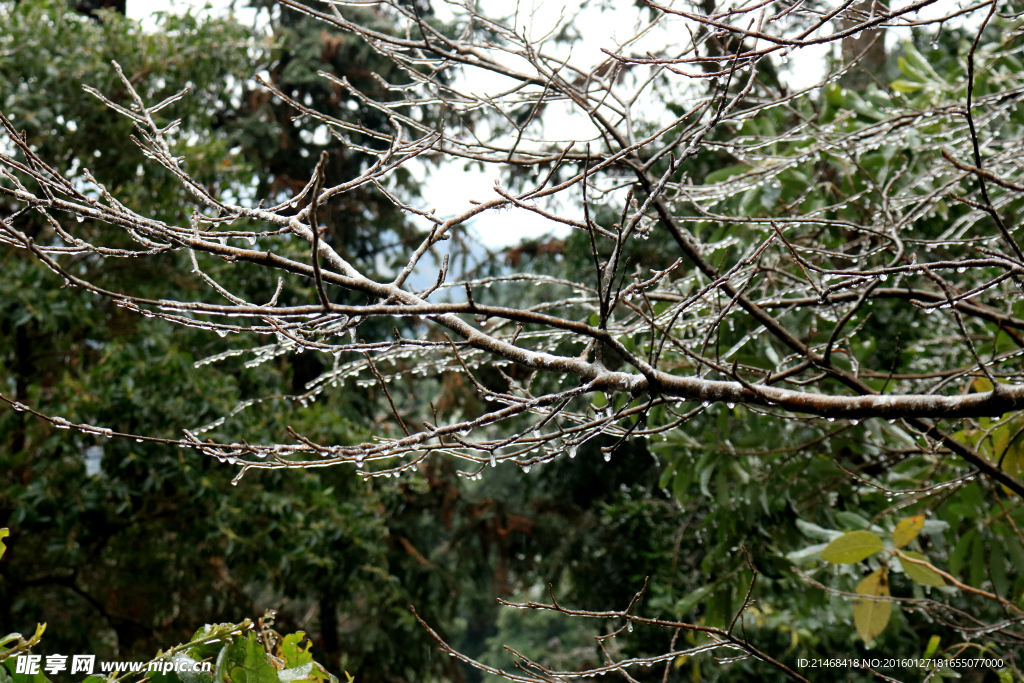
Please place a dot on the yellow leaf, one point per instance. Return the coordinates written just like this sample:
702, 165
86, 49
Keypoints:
1013, 455
1005, 446
981, 385
4, 533
922, 575
904, 86
872, 616
1000, 439
1013, 464
907, 530
852, 547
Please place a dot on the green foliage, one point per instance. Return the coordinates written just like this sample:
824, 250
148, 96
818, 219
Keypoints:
135, 555
872, 616
744, 478
919, 573
553, 640
852, 547
907, 530
159, 540
999, 440
232, 652
56, 50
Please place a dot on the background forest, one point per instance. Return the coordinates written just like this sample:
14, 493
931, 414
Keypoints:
126, 548
140, 551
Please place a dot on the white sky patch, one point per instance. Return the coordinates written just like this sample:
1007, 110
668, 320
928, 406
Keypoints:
144, 10
807, 66
449, 188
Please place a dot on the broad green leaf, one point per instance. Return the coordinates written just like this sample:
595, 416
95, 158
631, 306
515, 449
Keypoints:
11, 665
872, 616
904, 86
666, 476
770, 193
691, 600
956, 558
907, 530
814, 531
724, 173
852, 547
298, 673
705, 478
811, 552
981, 385
292, 651
997, 442
1012, 454
933, 647
919, 574
918, 62
4, 533
183, 659
908, 70
997, 569
834, 94
934, 526
681, 484
306, 669
212, 649
977, 574
853, 520
1016, 553
245, 661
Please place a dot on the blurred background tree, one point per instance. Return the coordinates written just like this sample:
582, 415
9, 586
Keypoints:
127, 547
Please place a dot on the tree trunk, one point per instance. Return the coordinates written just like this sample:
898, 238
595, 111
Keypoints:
329, 633
867, 48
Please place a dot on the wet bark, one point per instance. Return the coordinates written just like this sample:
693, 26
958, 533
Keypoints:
329, 633
866, 48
